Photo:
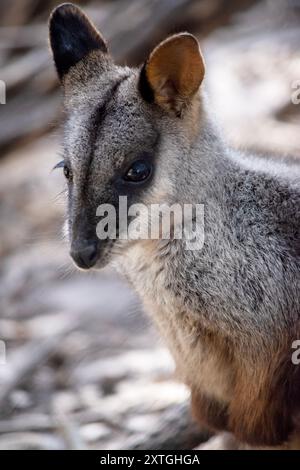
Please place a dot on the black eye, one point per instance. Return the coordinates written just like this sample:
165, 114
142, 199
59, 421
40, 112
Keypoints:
67, 172
66, 169
139, 171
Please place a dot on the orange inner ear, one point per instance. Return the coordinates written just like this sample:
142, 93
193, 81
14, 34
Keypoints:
176, 67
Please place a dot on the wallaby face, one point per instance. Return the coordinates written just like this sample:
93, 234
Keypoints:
125, 130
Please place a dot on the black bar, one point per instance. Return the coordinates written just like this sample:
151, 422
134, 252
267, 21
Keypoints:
137, 459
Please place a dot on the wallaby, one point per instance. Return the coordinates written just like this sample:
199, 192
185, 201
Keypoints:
229, 311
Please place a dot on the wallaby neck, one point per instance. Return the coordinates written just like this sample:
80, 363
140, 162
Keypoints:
208, 162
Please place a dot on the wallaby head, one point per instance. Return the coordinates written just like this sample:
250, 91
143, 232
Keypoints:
128, 131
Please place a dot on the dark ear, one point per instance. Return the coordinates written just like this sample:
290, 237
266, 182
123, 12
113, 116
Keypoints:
72, 37
173, 73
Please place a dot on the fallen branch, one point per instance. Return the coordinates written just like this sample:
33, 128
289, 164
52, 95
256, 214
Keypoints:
177, 431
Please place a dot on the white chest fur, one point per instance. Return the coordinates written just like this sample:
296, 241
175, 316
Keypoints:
199, 363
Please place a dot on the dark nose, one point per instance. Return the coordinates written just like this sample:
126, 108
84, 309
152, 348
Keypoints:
85, 256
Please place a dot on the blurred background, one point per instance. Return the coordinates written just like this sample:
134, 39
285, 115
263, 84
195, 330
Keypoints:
84, 367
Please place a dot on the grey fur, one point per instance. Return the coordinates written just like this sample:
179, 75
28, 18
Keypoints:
244, 284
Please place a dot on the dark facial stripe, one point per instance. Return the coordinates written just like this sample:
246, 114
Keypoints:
98, 116
145, 87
